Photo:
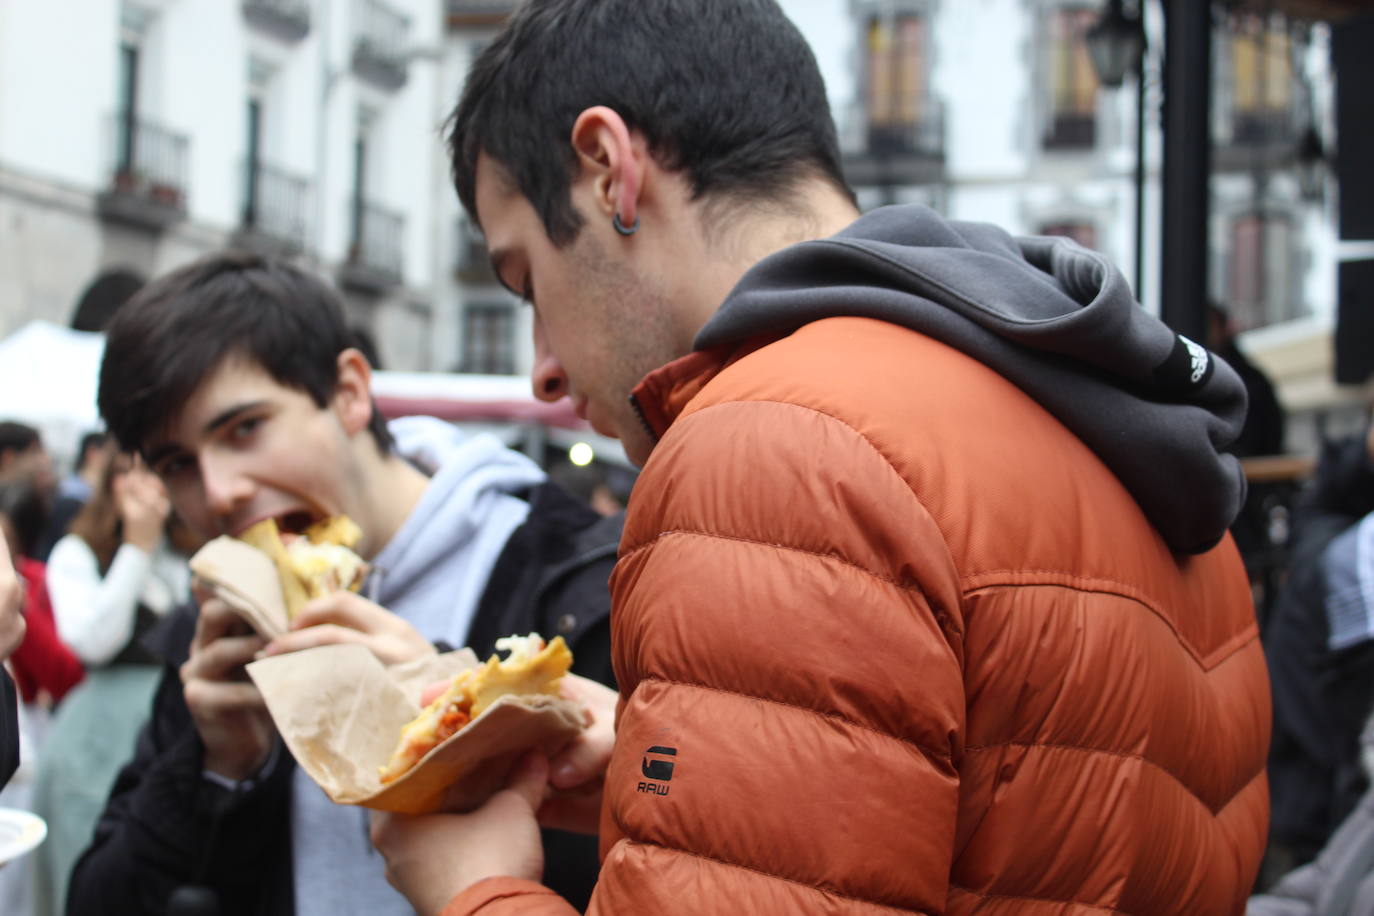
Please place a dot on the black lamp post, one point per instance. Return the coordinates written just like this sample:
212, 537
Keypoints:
1116, 44
1310, 159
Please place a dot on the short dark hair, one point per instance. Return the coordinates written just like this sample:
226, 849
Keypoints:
92, 440
17, 437
726, 91
177, 329
27, 511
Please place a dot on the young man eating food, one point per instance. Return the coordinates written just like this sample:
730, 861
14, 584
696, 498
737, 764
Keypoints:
925, 602
236, 379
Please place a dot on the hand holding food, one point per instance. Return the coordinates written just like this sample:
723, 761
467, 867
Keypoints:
431, 857
343, 617
227, 709
578, 773
269, 573
440, 763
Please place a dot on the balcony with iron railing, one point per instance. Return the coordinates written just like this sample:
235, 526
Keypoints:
274, 210
471, 263
466, 14
1257, 137
895, 152
380, 35
375, 255
287, 19
148, 164
1067, 129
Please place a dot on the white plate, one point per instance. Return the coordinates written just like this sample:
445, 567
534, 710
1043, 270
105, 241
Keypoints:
20, 832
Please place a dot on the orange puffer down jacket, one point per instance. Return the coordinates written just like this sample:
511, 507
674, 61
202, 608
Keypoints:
891, 639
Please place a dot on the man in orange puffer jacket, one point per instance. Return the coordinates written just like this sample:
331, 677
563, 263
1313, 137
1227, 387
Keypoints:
925, 601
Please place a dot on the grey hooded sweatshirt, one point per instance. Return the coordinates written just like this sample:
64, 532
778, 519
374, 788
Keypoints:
1052, 317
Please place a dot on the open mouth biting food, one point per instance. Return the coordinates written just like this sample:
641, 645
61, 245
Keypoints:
314, 562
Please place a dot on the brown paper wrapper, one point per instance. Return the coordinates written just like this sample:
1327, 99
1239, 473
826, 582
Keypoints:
246, 579
340, 711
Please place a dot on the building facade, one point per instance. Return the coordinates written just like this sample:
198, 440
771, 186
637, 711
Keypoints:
136, 135
992, 111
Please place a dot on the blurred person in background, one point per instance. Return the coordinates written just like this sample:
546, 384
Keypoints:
605, 489
76, 488
120, 569
1263, 431
1320, 648
11, 636
23, 455
44, 670
1339, 881
1262, 435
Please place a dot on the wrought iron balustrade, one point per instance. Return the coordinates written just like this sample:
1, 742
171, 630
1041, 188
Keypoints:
275, 204
375, 252
147, 172
381, 35
289, 19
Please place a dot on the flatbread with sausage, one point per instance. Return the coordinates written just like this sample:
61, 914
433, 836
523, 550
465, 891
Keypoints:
532, 668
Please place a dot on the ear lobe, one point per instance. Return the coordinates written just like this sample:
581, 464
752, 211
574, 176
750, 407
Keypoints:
606, 153
352, 400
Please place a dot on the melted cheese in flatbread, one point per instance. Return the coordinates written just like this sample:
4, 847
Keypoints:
532, 668
315, 563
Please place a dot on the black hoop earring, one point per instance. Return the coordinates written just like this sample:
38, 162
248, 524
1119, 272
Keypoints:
622, 228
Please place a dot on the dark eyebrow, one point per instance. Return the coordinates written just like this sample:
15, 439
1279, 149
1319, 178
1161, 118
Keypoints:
219, 420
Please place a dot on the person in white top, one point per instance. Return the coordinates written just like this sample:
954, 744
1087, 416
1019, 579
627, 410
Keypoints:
114, 560
120, 569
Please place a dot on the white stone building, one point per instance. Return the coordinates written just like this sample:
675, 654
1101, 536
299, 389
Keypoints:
984, 109
136, 135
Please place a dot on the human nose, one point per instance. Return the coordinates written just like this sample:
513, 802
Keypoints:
549, 380
226, 489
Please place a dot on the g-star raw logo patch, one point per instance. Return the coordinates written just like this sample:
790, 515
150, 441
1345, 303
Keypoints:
657, 773
1200, 358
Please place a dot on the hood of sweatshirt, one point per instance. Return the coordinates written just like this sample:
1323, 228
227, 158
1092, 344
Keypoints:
1055, 319
433, 570
432, 573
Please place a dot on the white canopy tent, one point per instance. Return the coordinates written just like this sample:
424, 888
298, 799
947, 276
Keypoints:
48, 379
49, 375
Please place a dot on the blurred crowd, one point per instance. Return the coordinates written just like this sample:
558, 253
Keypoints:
101, 560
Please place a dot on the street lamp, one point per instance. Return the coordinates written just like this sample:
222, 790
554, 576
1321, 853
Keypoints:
1116, 44
1310, 159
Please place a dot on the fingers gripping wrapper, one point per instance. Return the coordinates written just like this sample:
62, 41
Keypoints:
340, 712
